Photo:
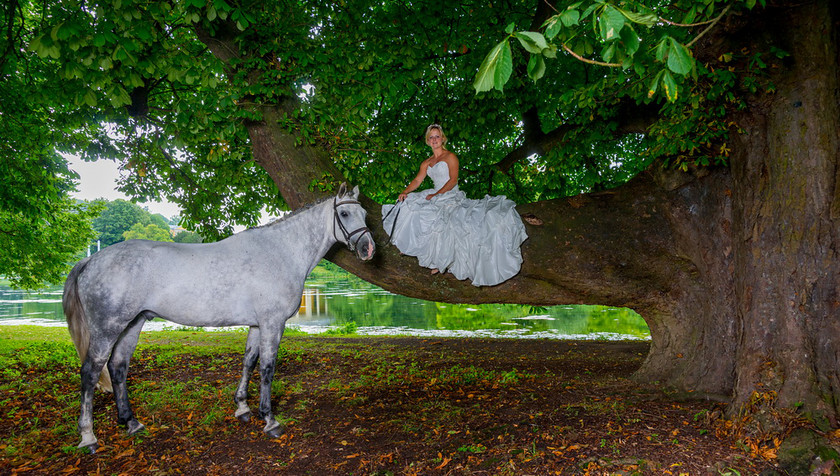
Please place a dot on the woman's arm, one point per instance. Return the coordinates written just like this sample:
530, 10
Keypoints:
452, 162
412, 186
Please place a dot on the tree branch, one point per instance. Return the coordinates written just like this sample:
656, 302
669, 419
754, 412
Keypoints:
632, 119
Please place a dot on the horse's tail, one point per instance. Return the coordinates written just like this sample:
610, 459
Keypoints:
77, 322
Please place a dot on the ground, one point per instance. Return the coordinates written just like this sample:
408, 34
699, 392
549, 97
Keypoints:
379, 406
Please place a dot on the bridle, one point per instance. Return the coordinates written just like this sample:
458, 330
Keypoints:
348, 235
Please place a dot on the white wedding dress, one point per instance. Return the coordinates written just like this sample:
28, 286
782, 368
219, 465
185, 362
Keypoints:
472, 239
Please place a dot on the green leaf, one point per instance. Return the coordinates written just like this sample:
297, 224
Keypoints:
37, 46
495, 69
504, 67
591, 9
679, 58
536, 67
570, 17
662, 48
533, 42
691, 15
509, 29
646, 19
654, 85
610, 23
631, 40
608, 52
90, 98
552, 26
670, 86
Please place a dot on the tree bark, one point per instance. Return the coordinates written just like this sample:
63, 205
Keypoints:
785, 225
734, 269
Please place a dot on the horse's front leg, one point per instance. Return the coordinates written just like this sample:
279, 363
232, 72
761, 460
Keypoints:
252, 354
269, 344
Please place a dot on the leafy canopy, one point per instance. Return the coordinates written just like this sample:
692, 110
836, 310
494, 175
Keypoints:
131, 81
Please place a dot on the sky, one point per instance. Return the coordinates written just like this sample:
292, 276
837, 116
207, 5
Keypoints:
99, 180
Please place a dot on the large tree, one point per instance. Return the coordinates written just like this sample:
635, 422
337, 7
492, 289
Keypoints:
701, 193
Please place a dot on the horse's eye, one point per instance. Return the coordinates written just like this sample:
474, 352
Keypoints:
344, 214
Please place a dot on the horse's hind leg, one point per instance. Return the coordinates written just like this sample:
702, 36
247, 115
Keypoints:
97, 356
252, 354
269, 344
118, 367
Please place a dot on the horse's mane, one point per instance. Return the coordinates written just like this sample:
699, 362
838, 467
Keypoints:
292, 213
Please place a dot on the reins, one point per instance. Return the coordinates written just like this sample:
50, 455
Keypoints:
347, 235
394, 225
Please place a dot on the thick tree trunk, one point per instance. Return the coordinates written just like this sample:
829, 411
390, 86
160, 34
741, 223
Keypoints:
733, 269
786, 222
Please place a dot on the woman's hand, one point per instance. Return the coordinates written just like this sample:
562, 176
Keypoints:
402, 196
429, 196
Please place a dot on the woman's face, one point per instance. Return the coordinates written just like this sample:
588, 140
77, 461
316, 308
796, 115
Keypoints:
435, 138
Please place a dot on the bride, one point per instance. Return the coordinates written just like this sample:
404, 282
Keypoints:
477, 240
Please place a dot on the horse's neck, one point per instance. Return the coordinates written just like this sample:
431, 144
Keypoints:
309, 234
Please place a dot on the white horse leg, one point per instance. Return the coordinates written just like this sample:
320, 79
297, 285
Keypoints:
269, 344
118, 367
249, 361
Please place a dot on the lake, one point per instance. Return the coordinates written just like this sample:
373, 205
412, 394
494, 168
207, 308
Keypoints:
334, 300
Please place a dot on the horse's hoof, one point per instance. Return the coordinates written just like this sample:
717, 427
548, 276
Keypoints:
275, 432
243, 413
135, 427
91, 448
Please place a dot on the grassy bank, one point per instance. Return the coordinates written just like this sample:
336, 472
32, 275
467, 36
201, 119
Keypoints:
363, 406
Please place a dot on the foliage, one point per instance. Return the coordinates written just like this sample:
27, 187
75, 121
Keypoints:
36, 248
118, 218
617, 32
187, 237
151, 232
159, 220
135, 82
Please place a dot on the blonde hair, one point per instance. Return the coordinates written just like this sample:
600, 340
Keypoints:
436, 126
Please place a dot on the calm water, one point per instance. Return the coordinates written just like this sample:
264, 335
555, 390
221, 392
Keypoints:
331, 301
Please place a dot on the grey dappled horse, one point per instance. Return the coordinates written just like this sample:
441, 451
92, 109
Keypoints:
253, 278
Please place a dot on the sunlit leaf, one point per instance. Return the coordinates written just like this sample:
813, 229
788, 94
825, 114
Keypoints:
495, 69
532, 41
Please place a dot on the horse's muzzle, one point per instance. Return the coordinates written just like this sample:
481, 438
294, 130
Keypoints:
365, 247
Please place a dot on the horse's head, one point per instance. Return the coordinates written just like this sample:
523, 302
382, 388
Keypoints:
349, 217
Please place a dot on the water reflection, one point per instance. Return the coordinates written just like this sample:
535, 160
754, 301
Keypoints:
335, 300
330, 302
44, 304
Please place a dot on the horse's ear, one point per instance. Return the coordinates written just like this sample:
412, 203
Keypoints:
342, 190
356, 191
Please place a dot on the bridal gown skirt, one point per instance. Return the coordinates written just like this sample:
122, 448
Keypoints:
477, 240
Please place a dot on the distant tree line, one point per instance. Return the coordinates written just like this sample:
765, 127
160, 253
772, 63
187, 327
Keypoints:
123, 220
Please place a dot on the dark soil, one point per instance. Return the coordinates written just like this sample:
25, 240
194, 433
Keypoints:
400, 406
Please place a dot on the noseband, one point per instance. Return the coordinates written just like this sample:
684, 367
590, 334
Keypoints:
348, 235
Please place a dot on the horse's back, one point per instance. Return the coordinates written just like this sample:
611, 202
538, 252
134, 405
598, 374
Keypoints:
211, 284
